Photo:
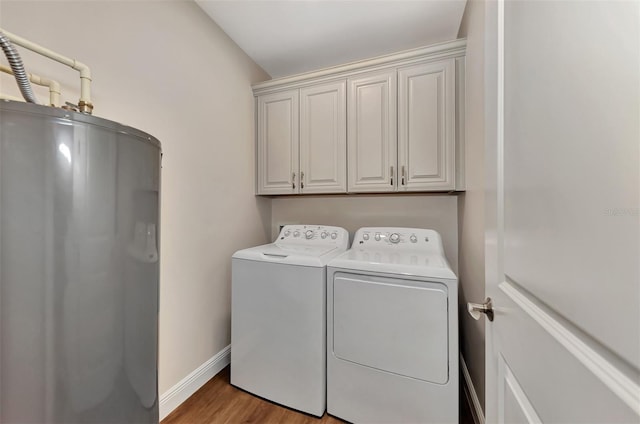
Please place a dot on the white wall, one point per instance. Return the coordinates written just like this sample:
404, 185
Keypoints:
166, 68
438, 212
471, 203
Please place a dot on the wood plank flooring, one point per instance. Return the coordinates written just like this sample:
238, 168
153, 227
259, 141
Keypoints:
219, 402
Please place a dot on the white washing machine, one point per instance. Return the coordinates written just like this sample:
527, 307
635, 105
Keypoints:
278, 316
392, 329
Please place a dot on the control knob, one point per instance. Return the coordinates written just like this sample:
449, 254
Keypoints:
334, 236
308, 234
286, 233
377, 237
324, 234
296, 233
413, 238
394, 238
365, 236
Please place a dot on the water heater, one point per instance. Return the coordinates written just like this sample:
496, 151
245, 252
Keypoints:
79, 268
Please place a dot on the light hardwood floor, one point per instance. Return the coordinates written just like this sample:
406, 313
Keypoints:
219, 402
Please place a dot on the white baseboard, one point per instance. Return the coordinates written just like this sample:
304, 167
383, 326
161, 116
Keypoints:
174, 397
470, 394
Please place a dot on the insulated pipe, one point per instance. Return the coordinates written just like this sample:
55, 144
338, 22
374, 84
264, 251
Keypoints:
84, 105
54, 86
17, 67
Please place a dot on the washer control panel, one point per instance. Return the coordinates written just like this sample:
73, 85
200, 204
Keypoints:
396, 238
313, 234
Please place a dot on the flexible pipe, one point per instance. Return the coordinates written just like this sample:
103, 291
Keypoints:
17, 67
54, 86
84, 104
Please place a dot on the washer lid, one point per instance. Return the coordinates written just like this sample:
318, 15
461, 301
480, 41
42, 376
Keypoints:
304, 255
413, 263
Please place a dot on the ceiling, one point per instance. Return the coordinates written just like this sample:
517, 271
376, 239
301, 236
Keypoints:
291, 37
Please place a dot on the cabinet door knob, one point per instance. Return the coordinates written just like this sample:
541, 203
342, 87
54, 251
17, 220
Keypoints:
293, 180
301, 179
392, 176
402, 175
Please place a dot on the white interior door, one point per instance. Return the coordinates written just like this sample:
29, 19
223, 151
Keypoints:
563, 232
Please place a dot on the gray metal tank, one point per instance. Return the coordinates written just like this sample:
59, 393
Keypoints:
79, 268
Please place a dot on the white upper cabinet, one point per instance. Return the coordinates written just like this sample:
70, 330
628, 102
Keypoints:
323, 134
426, 126
277, 161
372, 132
388, 124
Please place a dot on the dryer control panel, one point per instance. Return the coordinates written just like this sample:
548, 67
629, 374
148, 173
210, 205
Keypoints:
314, 235
398, 238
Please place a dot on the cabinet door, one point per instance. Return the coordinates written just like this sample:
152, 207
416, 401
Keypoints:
278, 143
426, 126
371, 139
323, 135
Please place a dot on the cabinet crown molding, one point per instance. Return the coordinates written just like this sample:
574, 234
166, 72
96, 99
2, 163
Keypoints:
455, 48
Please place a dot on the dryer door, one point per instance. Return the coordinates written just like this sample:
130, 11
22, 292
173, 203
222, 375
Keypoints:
394, 325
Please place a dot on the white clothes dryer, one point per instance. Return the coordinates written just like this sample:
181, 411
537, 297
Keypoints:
278, 316
392, 329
